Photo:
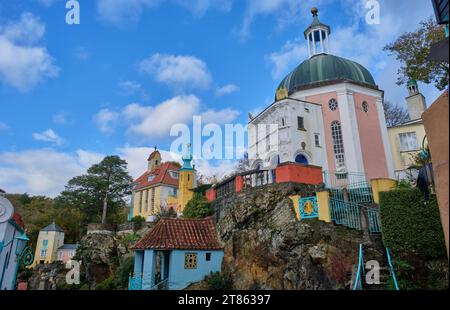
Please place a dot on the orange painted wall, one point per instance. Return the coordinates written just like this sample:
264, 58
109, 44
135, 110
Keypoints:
297, 173
211, 194
329, 116
372, 147
239, 183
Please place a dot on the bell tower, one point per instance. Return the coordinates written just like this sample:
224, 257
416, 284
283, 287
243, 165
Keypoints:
416, 101
186, 181
154, 159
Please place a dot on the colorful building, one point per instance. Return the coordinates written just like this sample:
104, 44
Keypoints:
13, 244
327, 112
176, 253
406, 139
164, 185
66, 252
50, 246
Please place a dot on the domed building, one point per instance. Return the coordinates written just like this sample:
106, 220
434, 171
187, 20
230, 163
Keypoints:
327, 112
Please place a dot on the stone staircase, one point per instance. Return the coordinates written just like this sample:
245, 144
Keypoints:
384, 272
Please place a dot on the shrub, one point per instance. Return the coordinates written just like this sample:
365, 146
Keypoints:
166, 213
123, 272
107, 285
411, 225
219, 281
138, 219
198, 207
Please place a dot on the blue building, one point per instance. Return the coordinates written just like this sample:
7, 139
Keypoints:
13, 244
176, 253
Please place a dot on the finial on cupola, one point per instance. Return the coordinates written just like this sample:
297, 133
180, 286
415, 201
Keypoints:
314, 11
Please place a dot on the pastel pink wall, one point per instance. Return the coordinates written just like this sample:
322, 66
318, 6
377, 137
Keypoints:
329, 116
65, 255
370, 135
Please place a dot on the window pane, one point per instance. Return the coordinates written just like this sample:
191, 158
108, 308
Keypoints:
408, 142
338, 146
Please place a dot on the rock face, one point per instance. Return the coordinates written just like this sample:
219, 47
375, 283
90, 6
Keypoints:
98, 254
267, 248
48, 277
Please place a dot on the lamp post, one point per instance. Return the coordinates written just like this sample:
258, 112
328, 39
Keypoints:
23, 255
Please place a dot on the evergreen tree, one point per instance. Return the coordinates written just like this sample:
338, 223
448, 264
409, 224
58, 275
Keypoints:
100, 192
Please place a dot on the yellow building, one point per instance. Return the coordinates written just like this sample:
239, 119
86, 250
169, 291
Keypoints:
50, 239
406, 139
164, 185
187, 183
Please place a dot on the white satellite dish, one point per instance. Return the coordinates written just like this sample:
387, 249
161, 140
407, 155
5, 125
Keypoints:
6, 210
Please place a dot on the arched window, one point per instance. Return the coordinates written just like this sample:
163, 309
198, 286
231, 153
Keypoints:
301, 159
338, 146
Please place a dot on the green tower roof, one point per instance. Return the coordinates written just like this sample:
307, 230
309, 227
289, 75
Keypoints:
325, 68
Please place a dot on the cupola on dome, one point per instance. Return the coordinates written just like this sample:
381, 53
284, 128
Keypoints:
322, 68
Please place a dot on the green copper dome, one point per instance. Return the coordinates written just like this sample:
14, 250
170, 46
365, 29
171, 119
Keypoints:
325, 68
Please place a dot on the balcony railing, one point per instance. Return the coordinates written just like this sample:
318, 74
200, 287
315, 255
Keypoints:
258, 178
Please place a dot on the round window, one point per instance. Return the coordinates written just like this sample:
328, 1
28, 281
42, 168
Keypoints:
365, 106
333, 104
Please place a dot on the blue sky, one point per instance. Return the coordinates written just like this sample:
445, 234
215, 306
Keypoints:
70, 94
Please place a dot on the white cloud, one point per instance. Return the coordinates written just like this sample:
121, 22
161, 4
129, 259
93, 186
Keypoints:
123, 11
59, 118
227, 89
49, 136
157, 121
133, 88
148, 122
136, 157
106, 120
225, 116
285, 12
46, 171
42, 171
179, 72
22, 64
290, 55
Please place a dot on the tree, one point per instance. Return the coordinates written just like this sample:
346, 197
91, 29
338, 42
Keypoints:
395, 114
198, 207
243, 164
412, 50
102, 190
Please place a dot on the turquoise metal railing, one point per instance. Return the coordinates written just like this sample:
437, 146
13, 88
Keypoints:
360, 272
373, 215
345, 213
163, 285
343, 179
391, 267
135, 283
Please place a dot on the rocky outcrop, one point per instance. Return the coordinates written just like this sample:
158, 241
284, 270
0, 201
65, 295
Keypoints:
48, 277
267, 248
